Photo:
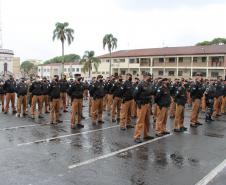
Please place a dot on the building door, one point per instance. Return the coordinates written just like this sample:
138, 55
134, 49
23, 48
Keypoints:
5, 68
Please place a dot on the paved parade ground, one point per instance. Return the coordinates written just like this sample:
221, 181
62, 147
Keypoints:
36, 153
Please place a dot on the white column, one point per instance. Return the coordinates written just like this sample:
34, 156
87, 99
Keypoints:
177, 65
151, 69
207, 65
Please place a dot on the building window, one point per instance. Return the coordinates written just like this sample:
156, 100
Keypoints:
203, 59
108, 60
39, 70
161, 60
214, 74
107, 73
122, 60
123, 72
77, 70
180, 73
134, 72
181, 59
171, 73
172, 60
65, 69
195, 59
161, 73
138, 61
132, 61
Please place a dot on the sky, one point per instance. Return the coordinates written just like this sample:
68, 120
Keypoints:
28, 24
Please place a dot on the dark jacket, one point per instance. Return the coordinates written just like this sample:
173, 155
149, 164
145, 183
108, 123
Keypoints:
97, 90
45, 88
21, 89
196, 90
116, 89
10, 86
127, 91
64, 85
143, 92
2, 90
75, 91
181, 96
163, 98
36, 88
54, 90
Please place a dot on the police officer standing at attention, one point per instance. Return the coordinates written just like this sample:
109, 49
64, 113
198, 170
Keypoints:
134, 104
63, 92
36, 90
21, 90
127, 100
98, 92
76, 91
54, 95
10, 88
142, 96
196, 93
209, 98
180, 100
116, 89
2, 94
163, 101
46, 86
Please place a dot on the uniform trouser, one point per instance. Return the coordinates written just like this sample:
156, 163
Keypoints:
76, 111
134, 109
203, 104
179, 117
90, 106
54, 110
97, 109
116, 107
143, 121
155, 112
46, 102
2, 99
10, 97
36, 99
109, 102
105, 101
22, 101
63, 96
162, 114
223, 105
195, 111
172, 107
125, 113
216, 106
189, 99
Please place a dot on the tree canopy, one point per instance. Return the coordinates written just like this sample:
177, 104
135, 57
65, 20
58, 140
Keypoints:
28, 68
67, 59
216, 41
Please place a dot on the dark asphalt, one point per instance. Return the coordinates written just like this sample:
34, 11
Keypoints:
32, 152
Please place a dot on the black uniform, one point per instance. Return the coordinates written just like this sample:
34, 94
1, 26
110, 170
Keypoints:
209, 97
127, 91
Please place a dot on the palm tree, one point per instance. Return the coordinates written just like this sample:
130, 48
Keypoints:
111, 43
63, 33
89, 61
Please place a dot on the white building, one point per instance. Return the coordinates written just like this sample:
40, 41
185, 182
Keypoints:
70, 69
6, 61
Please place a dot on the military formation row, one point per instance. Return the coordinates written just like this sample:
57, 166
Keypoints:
122, 100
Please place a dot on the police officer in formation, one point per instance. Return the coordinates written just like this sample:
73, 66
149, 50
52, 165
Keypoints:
124, 100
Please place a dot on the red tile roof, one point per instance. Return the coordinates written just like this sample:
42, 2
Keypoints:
169, 51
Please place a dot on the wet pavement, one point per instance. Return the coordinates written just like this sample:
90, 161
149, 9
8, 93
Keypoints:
36, 153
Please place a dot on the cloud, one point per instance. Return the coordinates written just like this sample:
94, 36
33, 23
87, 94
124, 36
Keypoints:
29, 24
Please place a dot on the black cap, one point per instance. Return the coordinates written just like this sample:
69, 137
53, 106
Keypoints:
99, 76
